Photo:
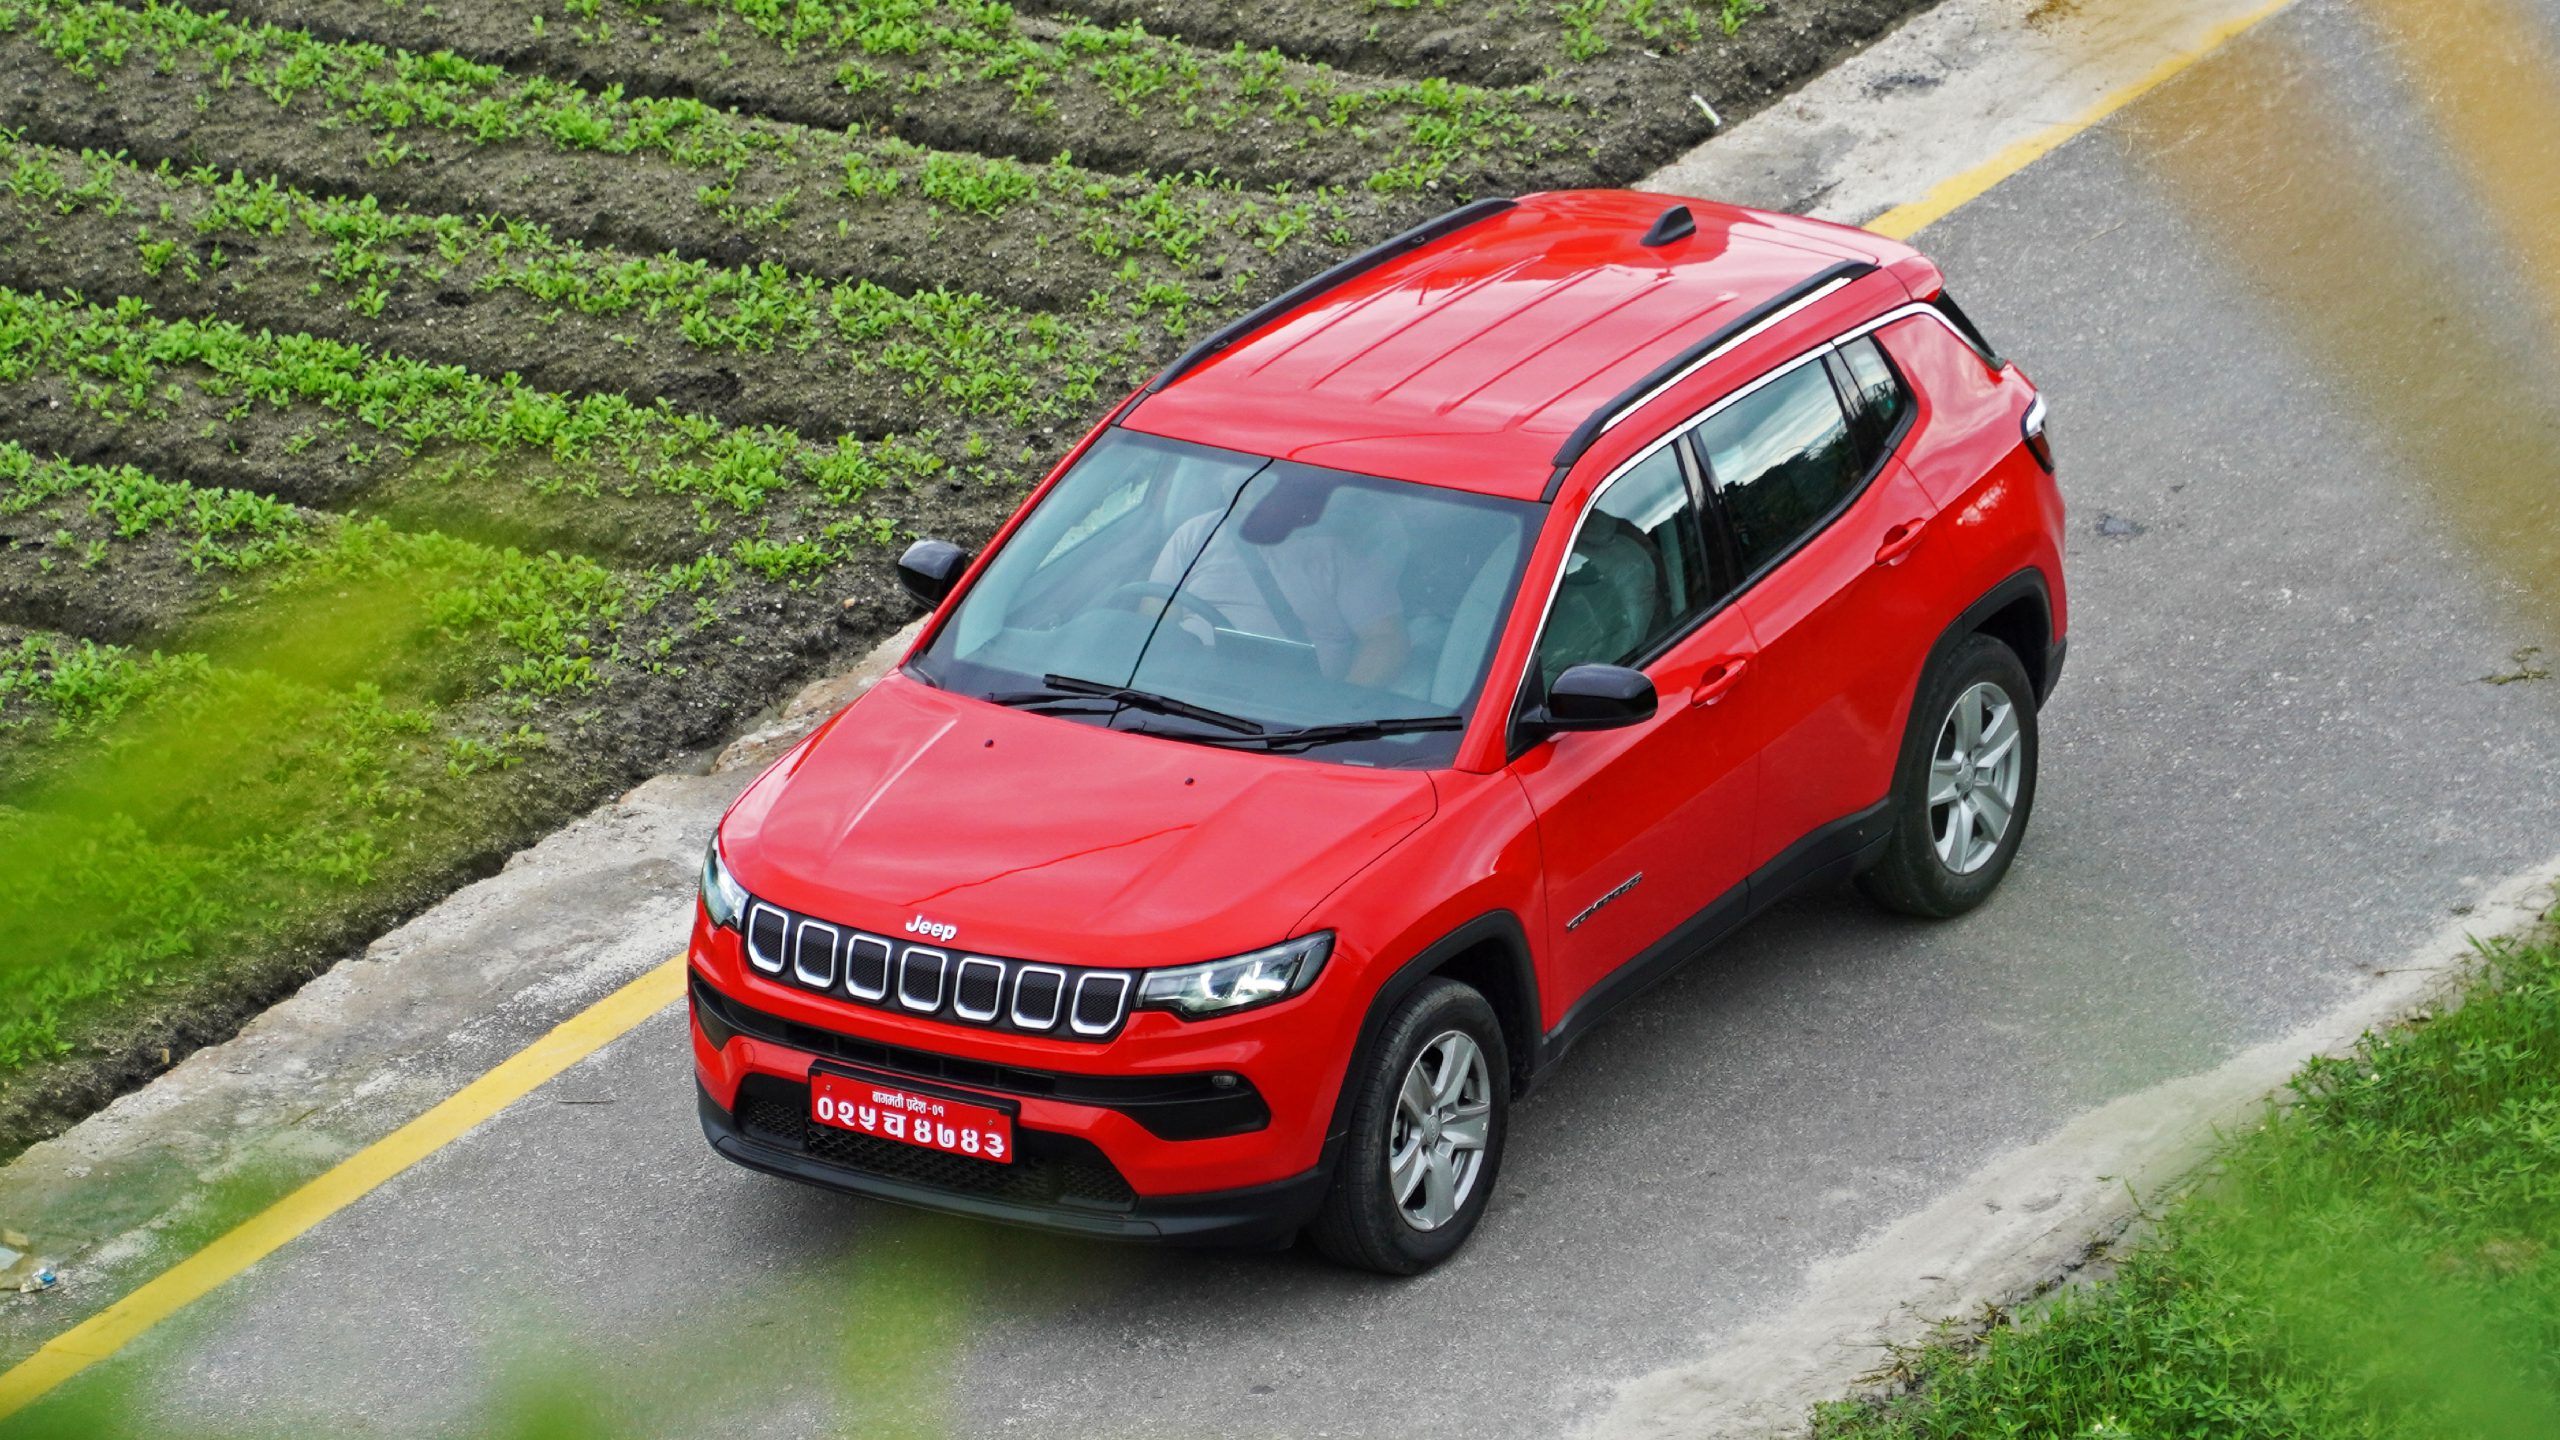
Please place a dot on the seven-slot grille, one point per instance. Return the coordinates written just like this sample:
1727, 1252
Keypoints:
1065, 1001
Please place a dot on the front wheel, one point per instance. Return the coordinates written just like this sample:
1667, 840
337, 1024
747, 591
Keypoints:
1429, 1110
1964, 786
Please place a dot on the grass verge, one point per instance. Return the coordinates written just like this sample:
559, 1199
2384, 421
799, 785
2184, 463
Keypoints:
2380, 1258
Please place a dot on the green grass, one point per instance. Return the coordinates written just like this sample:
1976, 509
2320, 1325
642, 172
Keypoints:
2379, 1259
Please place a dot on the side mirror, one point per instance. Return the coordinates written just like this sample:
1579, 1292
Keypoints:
1595, 697
930, 568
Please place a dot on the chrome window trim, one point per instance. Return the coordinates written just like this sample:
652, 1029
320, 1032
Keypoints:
800, 944
1718, 353
1119, 1004
888, 967
1056, 1008
959, 974
1680, 431
942, 972
747, 937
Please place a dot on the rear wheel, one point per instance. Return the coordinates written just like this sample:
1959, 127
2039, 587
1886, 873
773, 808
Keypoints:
1428, 1113
1964, 786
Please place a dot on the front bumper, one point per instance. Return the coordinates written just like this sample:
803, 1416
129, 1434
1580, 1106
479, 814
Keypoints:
1081, 1202
1177, 1108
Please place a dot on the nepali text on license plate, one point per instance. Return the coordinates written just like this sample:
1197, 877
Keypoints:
954, 1127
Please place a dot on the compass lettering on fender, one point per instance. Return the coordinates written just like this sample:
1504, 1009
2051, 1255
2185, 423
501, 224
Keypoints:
1596, 906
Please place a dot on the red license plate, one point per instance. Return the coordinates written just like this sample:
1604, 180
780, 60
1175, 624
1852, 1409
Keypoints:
935, 1122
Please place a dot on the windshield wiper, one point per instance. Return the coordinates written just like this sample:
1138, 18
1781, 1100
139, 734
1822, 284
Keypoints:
1072, 687
1347, 730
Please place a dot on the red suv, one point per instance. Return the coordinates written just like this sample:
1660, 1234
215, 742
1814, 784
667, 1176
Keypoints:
1414, 671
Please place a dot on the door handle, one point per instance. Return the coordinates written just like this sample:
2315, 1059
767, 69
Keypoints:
1900, 540
1719, 677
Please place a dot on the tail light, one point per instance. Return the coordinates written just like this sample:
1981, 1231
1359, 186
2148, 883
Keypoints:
2033, 428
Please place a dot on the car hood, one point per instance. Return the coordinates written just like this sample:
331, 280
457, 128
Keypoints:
1053, 839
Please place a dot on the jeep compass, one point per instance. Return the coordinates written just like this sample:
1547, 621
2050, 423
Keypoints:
1415, 670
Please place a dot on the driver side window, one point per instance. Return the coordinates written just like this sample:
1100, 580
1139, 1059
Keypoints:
1636, 572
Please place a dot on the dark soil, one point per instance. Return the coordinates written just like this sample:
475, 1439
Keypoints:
819, 385
131, 592
256, 451
1030, 254
708, 54
1635, 95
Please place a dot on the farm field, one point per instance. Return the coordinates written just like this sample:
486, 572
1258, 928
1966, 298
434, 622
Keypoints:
419, 421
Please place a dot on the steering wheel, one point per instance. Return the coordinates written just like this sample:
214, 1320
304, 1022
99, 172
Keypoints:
1159, 590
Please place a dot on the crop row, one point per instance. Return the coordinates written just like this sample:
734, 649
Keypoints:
1648, 79
436, 132
975, 76
556, 613
61, 686
718, 522
712, 564
325, 423
1488, 42
751, 344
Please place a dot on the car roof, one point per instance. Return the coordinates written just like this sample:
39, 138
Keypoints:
1468, 360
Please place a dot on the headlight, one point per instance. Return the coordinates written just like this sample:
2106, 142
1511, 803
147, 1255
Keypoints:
723, 898
1223, 986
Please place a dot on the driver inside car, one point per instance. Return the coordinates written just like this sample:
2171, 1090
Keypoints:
1276, 572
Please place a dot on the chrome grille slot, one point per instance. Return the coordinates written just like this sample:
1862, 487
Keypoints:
768, 932
813, 954
920, 978
978, 991
1100, 995
1038, 992
866, 968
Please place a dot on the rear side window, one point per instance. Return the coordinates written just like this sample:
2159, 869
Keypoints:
1972, 333
1783, 460
1875, 395
1636, 572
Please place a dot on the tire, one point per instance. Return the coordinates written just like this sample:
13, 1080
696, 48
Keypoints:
1364, 1222
1928, 869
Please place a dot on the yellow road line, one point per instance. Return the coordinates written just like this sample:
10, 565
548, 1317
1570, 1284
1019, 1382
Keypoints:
111, 1329
1947, 196
115, 1327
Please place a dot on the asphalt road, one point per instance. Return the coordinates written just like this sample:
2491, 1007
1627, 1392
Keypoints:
2302, 369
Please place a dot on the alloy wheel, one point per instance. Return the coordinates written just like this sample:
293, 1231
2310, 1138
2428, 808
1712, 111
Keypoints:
1444, 1119
1973, 778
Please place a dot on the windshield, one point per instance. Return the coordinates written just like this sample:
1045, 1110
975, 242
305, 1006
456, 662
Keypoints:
1273, 596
